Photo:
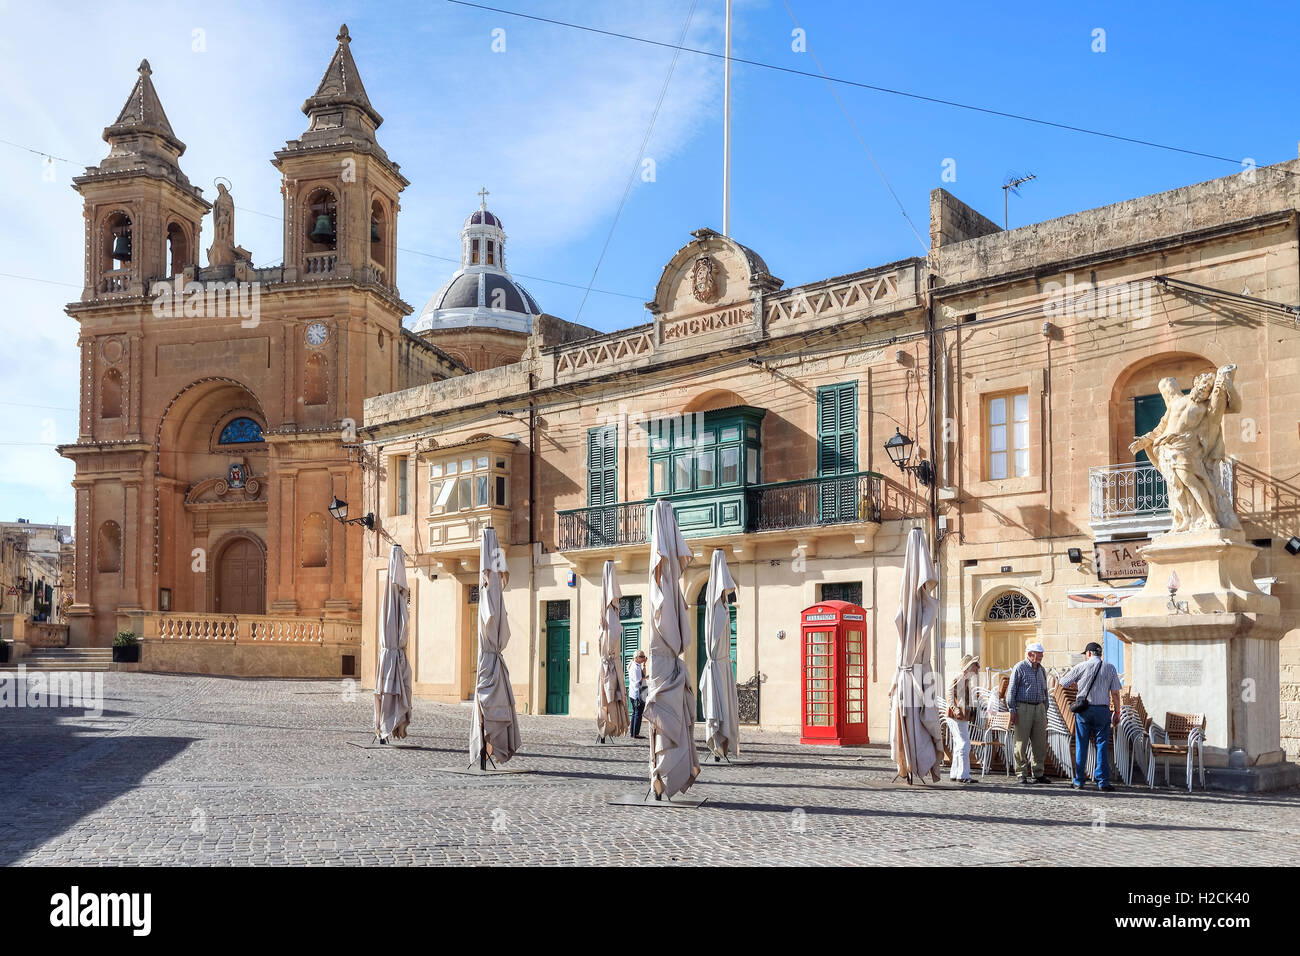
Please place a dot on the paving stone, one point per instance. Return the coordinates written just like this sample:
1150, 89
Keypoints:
219, 771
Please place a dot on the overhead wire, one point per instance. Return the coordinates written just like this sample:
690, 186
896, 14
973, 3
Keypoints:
636, 166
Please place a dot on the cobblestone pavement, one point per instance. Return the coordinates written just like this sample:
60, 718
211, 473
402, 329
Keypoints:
212, 770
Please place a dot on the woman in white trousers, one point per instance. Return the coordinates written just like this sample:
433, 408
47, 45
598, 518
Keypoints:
961, 711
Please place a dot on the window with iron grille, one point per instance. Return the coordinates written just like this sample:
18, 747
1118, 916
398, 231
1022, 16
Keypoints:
1012, 606
473, 594
629, 607
850, 591
557, 610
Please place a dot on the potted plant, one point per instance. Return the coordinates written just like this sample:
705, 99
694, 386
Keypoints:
126, 648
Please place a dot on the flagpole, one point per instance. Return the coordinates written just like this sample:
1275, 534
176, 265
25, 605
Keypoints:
726, 129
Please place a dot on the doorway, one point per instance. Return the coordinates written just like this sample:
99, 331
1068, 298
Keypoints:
557, 657
241, 578
629, 614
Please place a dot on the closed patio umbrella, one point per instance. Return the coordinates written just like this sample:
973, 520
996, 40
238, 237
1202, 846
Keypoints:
495, 721
717, 683
915, 735
611, 698
670, 702
393, 674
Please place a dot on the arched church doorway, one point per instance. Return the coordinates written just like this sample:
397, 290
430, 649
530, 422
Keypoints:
241, 578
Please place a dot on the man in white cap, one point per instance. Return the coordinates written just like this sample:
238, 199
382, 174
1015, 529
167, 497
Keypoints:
1027, 701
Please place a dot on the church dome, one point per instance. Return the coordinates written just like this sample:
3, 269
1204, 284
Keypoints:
482, 293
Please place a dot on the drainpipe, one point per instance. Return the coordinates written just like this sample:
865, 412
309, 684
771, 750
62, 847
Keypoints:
533, 670
935, 433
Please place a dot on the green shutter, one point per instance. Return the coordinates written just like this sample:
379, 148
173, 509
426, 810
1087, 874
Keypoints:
602, 482
837, 450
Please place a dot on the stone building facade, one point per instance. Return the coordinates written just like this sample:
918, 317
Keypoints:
219, 403
715, 404
1049, 343
1061, 331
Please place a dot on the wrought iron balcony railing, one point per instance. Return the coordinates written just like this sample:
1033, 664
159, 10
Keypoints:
1135, 494
782, 505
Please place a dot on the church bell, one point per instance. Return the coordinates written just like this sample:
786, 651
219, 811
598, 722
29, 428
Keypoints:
324, 229
374, 230
122, 247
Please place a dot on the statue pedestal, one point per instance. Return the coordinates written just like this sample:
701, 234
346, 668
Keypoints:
1218, 657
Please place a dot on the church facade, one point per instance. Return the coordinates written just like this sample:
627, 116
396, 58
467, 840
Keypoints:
220, 403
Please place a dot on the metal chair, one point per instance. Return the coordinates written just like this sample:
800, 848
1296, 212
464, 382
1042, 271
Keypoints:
1183, 735
998, 722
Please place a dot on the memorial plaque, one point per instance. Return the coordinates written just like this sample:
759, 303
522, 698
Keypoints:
1178, 673
1119, 559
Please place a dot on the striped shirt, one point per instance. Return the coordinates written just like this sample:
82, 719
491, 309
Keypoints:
1100, 686
1028, 685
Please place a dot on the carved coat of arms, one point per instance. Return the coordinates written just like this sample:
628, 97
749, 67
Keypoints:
704, 279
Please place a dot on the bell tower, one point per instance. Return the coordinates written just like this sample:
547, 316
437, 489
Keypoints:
142, 215
340, 188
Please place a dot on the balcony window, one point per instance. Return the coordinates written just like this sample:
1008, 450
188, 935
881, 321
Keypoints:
467, 484
712, 451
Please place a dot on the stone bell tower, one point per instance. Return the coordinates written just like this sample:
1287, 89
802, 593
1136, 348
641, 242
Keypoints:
340, 188
142, 220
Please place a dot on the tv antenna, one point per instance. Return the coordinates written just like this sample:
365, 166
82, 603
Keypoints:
1012, 185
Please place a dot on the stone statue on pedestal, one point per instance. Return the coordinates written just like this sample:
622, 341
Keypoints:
1187, 448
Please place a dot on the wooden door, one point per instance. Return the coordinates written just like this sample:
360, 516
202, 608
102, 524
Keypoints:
241, 579
1004, 645
557, 667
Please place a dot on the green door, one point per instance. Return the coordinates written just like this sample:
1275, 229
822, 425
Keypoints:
557, 660
629, 614
701, 654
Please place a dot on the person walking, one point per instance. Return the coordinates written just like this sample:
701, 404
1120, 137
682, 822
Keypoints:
1099, 685
1027, 701
636, 686
961, 711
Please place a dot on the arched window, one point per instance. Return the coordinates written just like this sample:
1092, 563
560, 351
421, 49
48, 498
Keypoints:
1012, 606
378, 233
240, 431
108, 550
110, 394
115, 253
315, 541
313, 387
178, 256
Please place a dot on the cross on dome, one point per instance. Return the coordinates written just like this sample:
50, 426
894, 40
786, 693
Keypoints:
482, 197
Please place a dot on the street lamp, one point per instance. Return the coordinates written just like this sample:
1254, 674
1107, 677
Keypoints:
339, 509
899, 449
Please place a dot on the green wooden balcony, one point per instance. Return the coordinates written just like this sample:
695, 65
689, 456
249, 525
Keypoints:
805, 503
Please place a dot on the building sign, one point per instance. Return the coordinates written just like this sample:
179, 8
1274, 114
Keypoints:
1119, 559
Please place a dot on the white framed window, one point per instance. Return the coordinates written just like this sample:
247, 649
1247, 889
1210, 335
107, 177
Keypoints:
1006, 435
468, 483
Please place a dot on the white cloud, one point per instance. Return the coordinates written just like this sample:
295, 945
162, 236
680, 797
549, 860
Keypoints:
552, 127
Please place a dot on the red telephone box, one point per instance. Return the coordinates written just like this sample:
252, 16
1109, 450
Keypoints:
833, 635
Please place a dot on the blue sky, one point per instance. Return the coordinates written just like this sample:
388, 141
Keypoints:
553, 124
